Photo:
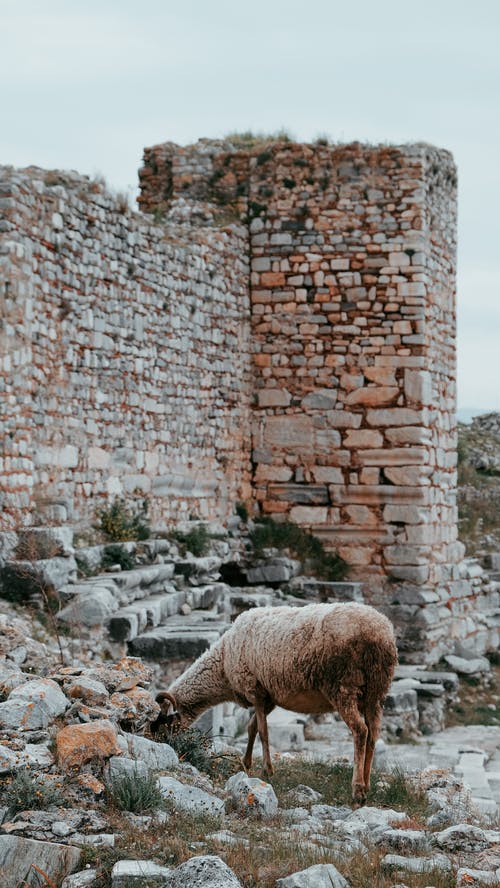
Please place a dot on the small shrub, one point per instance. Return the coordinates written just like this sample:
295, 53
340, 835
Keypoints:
242, 512
269, 534
195, 747
27, 791
133, 792
117, 555
119, 524
195, 541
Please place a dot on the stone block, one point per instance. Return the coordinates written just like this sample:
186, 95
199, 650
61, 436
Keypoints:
394, 416
320, 399
92, 607
373, 396
309, 516
18, 856
289, 432
274, 398
321, 875
303, 494
139, 874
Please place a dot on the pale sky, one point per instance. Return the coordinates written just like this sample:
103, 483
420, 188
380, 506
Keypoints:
86, 84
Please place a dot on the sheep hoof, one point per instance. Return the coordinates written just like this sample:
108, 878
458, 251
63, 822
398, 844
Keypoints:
358, 796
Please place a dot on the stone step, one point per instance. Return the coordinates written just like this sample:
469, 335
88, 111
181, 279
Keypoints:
183, 638
324, 590
135, 583
156, 610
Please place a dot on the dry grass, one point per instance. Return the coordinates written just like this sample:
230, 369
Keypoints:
264, 851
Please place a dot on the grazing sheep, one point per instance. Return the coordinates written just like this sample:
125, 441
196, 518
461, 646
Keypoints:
312, 659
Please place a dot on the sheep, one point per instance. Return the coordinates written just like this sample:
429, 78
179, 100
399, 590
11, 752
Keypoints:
312, 659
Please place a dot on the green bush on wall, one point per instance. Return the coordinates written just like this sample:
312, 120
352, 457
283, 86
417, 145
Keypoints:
120, 524
270, 534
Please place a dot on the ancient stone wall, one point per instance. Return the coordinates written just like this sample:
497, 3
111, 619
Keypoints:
352, 252
125, 363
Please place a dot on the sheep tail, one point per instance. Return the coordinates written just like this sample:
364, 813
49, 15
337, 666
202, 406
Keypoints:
379, 662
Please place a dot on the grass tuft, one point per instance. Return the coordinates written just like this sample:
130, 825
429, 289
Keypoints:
133, 792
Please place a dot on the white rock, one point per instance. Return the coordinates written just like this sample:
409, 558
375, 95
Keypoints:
84, 879
120, 766
323, 875
17, 855
33, 705
190, 798
129, 873
251, 795
415, 864
205, 871
157, 756
463, 837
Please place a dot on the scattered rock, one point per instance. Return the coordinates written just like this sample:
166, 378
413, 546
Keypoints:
190, 798
157, 756
78, 744
34, 704
140, 873
84, 879
252, 796
207, 871
21, 860
323, 875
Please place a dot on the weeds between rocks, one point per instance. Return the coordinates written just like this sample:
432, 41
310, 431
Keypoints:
28, 791
136, 793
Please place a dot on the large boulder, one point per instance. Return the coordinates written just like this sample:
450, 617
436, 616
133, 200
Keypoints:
26, 862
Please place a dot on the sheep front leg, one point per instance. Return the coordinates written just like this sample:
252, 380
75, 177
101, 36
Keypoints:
252, 733
261, 711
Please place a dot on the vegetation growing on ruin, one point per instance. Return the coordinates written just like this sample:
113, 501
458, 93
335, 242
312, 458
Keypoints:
249, 139
300, 544
118, 523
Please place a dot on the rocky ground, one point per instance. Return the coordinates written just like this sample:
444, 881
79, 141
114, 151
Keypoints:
479, 484
89, 798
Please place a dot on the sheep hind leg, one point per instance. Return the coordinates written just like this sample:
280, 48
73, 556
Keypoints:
373, 720
262, 710
349, 711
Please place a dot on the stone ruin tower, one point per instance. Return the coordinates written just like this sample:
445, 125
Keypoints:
352, 288
276, 326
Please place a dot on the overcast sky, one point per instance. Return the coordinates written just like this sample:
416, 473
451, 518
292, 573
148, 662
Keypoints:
86, 84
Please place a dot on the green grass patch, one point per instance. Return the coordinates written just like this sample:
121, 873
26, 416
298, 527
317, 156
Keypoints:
285, 535
136, 793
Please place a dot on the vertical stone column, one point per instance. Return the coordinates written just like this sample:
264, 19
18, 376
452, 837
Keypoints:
353, 258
